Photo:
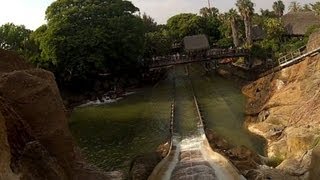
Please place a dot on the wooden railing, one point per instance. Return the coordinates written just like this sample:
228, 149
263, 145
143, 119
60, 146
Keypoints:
211, 54
294, 57
300, 53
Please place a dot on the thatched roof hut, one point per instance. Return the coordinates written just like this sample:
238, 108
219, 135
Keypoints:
196, 43
297, 23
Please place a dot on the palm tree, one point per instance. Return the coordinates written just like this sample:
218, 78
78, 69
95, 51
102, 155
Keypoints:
232, 17
246, 9
294, 6
278, 8
206, 12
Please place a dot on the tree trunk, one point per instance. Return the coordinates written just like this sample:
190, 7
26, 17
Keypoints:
235, 35
248, 28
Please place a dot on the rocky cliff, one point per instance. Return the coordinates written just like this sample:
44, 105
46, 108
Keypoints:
284, 107
35, 142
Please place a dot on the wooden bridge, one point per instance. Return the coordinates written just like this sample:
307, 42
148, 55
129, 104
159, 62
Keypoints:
213, 54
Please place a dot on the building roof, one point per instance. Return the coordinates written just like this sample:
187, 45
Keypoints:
297, 23
197, 42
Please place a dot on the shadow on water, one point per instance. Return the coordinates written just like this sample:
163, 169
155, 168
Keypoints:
112, 135
223, 106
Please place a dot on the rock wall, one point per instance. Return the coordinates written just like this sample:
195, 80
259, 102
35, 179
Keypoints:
284, 107
34, 136
5, 155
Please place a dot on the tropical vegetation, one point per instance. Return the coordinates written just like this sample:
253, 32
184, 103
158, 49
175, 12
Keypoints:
84, 40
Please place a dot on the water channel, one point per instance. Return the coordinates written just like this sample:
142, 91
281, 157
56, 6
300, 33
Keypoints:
112, 135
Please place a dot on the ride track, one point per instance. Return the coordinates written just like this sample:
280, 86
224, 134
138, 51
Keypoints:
190, 156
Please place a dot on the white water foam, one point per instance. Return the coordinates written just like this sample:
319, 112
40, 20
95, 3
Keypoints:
104, 100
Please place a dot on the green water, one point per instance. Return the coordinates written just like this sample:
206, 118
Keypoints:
112, 135
223, 105
186, 118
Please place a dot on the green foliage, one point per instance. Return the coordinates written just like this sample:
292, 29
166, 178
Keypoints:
246, 9
225, 42
316, 7
259, 51
266, 13
85, 38
274, 28
206, 12
149, 24
312, 29
13, 37
182, 25
278, 8
157, 44
188, 24
293, 44
211, 28
35, 51
231, 29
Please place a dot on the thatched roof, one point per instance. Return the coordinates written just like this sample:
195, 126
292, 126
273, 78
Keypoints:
297, 23
195, 43
258, 33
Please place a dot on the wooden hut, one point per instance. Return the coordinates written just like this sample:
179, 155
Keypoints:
196, 43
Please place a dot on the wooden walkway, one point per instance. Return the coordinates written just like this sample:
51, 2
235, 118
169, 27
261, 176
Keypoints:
210, 55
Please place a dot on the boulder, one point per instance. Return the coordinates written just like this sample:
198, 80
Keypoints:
35, 142
5, 155
142, 166
35, 97
314, 167
291, 97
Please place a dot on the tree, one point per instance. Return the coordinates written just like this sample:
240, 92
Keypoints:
157, 44
34, 48
206, 12
14, 37
274, 28
149, 23
316, 7
278, 7
246, 9
232, 17
86, 38
184, 24
266, 13
295, 6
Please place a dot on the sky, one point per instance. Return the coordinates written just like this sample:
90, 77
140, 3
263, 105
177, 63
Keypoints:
31, 13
